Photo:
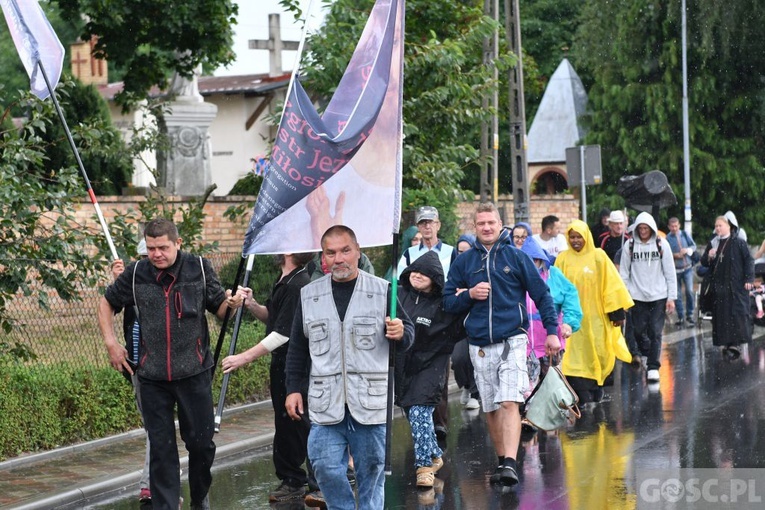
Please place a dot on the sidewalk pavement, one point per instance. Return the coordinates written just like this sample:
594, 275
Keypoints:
65, 476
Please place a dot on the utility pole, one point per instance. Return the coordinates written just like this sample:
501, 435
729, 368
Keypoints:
490, 55
484, 186
519, 170
686, 143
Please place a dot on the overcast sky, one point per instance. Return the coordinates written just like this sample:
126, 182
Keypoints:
252, 23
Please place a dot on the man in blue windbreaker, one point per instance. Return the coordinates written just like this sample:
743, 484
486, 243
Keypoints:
490, 282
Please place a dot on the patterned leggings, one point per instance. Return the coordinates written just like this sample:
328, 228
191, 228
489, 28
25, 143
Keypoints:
424, 435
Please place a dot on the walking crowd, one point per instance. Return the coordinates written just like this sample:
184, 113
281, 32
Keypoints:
499, 309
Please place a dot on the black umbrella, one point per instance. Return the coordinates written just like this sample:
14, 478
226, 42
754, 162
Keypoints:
649, 192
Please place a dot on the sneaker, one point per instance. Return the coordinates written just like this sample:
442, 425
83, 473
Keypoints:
464, 396
690, 321
508, 476
652, 375
679, 322
496, 477
315, 499
472, 403
286, 492
145, 495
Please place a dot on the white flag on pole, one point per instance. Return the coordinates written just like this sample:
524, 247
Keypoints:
36, 41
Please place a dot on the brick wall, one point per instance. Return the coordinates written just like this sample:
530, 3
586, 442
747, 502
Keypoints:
217, 228
230, 235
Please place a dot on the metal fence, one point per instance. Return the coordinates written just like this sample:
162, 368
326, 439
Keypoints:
66, 332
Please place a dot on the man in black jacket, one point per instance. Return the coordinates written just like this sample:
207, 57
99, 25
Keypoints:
290, 436
171, 291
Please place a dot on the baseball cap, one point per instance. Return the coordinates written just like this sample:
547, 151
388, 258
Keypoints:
616, 217
141, 249
426, 212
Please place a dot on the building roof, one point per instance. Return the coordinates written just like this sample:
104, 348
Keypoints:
556, 125
249, 84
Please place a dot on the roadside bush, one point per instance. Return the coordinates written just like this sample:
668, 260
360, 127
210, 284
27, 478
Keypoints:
48, 406
70, 405
262, 277
250, 383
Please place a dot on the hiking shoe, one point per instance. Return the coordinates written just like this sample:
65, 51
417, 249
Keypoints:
508, 476
145, 495
690, 321
315, 499
438, 463
286, 492
464, 396
472, 403
425, 476
652, 375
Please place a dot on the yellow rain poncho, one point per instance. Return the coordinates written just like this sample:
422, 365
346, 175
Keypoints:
592, 351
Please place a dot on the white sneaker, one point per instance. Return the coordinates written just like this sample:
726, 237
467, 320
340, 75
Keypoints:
652, 376
465, 396
472, 404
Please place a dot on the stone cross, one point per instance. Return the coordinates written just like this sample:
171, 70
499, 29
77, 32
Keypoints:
274, 44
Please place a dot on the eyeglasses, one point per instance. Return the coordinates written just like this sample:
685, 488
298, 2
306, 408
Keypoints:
519, 238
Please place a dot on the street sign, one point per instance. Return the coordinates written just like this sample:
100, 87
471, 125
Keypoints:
590, 156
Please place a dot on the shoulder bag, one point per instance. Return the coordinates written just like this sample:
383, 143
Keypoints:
553, 403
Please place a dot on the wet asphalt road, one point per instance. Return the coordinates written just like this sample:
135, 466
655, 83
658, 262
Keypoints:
705, 413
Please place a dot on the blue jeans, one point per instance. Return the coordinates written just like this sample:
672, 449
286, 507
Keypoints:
328, 450
685, 278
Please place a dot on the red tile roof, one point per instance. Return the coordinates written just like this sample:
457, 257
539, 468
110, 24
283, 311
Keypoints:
251, 84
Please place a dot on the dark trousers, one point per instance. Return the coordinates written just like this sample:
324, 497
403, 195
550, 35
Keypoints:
464, 373
193, 397
441, 412
645, 320
290, 447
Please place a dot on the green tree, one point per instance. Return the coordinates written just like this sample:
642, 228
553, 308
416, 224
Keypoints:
106, 157
632, 52
150, 38
547, 34
42, 247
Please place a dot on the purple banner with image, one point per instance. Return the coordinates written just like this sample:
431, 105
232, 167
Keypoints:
345, 165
